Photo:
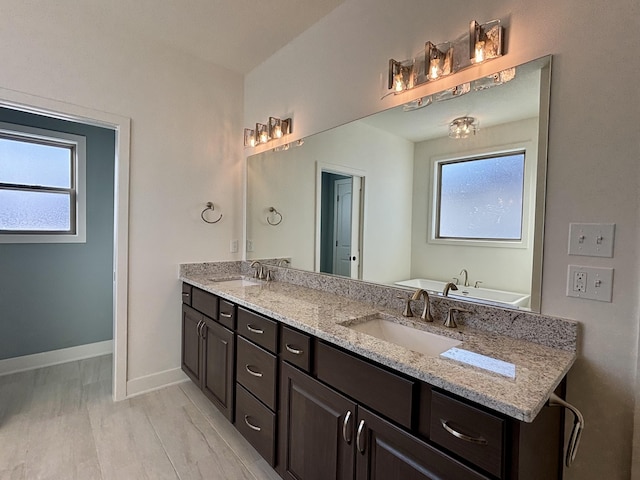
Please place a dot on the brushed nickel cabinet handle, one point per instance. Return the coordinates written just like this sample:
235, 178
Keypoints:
462, 436
295, 351
345, 427
199, 327
360, 438
251, 425
226, 315
255, 330
252, 372
185, 294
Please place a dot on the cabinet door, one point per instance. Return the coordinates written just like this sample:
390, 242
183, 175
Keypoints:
316, 429
385, 452
218, 360
191, 345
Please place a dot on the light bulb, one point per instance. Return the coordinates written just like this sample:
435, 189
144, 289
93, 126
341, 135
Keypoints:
479, 57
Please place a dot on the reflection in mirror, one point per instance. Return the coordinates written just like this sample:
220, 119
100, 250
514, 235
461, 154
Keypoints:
388, 171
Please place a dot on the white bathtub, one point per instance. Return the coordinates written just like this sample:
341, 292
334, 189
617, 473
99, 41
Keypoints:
511, 299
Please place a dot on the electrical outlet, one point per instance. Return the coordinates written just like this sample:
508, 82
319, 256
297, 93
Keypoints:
590, 282
580, 282
233, 246
249, 245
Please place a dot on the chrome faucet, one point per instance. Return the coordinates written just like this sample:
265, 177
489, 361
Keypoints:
447, 287
426, 313
466, 277
259, 273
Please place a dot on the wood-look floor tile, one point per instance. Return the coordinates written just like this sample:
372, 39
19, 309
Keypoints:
13, 443
96, 369
15, 473
63, 372
62, 447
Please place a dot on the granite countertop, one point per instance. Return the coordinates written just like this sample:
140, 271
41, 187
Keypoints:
511, 376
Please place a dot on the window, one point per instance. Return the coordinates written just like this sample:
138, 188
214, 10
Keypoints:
481, 198
42, 186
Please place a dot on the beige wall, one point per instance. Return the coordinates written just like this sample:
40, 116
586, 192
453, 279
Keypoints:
335, 71
186, 134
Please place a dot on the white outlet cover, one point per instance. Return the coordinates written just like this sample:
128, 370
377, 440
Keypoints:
599, 283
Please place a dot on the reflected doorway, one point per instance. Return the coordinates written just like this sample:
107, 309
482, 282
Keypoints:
340, 223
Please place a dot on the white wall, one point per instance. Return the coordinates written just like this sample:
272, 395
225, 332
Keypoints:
287, 180
498, 267
334, 72
186, 119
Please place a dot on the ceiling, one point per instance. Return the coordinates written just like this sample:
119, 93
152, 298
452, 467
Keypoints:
235, 34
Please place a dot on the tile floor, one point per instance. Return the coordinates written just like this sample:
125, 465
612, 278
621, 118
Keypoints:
60, 423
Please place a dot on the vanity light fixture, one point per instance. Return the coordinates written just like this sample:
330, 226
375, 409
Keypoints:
274, 129
485, 41
438, 60
401, 75
463, 127
249, 137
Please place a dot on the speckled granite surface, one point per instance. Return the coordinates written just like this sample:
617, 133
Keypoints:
325, 305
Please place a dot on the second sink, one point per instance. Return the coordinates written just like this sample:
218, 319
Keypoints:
408, 337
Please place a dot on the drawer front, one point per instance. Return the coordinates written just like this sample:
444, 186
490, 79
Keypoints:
205, 302
256, 371
383, 391
258, 329
295, 348
186, 294
469, 432
227, 315
256, 423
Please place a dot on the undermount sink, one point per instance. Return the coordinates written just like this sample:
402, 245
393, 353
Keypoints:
235, 282
408, 337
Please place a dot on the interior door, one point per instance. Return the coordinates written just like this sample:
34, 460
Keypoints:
342, 227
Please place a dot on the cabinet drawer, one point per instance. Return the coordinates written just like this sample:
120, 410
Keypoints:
469, 432
256, 423
256, 371
227, 315
295, 348
383, 391
258, 329
205, 302
186, 294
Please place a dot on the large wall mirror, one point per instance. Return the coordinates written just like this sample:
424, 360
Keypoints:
395, 199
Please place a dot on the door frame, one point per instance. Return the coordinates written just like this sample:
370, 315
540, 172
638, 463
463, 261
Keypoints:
122, 127
340, 170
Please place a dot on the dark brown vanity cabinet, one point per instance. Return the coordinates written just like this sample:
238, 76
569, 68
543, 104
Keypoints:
326, 434
208, 349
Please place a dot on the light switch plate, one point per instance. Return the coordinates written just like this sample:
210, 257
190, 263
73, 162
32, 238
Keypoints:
590, 282
591, 239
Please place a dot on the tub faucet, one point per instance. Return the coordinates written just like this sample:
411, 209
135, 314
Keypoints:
283, 262
447, 287
426, 313
466, 277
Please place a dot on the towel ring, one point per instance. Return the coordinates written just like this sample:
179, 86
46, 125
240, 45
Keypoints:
211, 207
273, 210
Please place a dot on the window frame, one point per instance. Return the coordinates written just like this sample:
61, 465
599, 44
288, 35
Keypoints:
77, 191
528, 196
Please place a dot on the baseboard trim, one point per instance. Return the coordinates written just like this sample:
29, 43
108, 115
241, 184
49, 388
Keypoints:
155, 381
55, 357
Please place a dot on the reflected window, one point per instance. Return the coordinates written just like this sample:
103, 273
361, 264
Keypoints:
39, 183
481, 198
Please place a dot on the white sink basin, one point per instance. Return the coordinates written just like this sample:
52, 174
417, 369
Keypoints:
411, 338
235, 282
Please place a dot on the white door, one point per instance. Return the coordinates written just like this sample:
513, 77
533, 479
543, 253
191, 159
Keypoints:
343, 198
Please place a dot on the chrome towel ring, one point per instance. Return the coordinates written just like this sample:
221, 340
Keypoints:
275, 212
211, 207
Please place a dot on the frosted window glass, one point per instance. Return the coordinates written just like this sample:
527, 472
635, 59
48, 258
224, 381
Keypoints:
30, 163
35, 211
482, 198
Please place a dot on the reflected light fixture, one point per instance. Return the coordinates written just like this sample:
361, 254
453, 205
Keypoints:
401, 75
485, 41
463, 127
438, 60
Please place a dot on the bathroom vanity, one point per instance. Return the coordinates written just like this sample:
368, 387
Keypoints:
319, 399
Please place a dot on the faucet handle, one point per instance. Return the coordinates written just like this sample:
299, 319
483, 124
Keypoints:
450, 322
478, 282
456, 280
407, 308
